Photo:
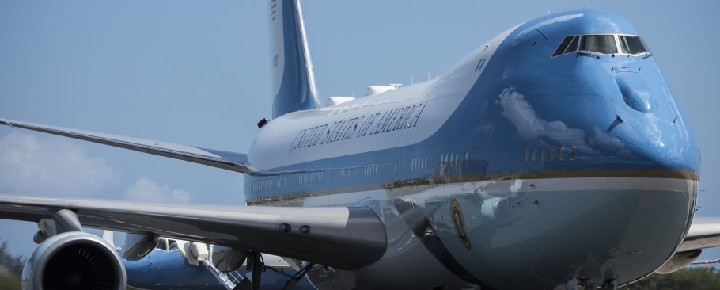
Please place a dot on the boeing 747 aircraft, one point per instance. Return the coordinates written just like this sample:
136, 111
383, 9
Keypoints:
552, 157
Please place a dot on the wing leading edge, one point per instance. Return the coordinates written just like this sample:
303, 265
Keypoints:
346, 238
221, 159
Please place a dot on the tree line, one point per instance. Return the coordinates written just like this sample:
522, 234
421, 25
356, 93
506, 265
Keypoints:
10, 269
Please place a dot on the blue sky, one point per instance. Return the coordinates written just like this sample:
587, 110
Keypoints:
197, 73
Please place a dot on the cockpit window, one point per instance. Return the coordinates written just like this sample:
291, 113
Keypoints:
599, 43
561, 49
632, 44
573, 45
602, 43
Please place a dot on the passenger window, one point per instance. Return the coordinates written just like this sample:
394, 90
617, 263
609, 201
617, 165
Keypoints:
527, 154
534, 154
599, 43
632, 44
572, 153
563, 45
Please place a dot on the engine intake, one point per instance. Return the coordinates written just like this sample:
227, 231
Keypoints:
74, 260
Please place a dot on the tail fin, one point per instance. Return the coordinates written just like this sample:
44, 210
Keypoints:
293, 82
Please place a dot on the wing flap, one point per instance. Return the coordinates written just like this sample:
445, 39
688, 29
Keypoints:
346, 238
215, 158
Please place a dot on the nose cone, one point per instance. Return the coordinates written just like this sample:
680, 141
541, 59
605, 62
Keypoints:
666, 144
650, 123
656, 145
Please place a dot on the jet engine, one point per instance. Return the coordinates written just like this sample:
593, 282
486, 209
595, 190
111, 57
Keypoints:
678, 261
74, 260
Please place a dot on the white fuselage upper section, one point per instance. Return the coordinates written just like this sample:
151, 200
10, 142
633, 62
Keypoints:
396, 118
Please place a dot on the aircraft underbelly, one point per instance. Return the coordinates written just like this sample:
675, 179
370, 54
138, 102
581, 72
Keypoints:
554, 230
407, 264
507, 233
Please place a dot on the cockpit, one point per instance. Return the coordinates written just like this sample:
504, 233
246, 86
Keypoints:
602, 44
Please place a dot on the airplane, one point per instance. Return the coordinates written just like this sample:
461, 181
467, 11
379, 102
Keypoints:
553, 156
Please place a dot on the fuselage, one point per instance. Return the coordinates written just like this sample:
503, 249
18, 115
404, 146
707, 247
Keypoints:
554, 153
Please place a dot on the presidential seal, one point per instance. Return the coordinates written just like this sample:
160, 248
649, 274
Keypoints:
459, 223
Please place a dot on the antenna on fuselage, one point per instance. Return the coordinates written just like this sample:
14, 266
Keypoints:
411, 79
428, 72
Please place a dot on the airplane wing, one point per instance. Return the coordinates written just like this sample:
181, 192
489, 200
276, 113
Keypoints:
703, 233
215, 158
342, 237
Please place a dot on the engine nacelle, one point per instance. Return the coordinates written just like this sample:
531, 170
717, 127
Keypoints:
74, 260
678, 261
227, 259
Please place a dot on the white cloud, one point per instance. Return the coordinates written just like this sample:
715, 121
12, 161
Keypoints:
50, 166
146, 189
530, 125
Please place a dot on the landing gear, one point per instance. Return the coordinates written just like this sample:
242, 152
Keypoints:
298, 276
256, 266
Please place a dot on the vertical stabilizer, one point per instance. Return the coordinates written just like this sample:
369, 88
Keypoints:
293, 82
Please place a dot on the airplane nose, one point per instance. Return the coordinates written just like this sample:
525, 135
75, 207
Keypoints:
667, 145
638, 211
664, 153
653, 124
659, 141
